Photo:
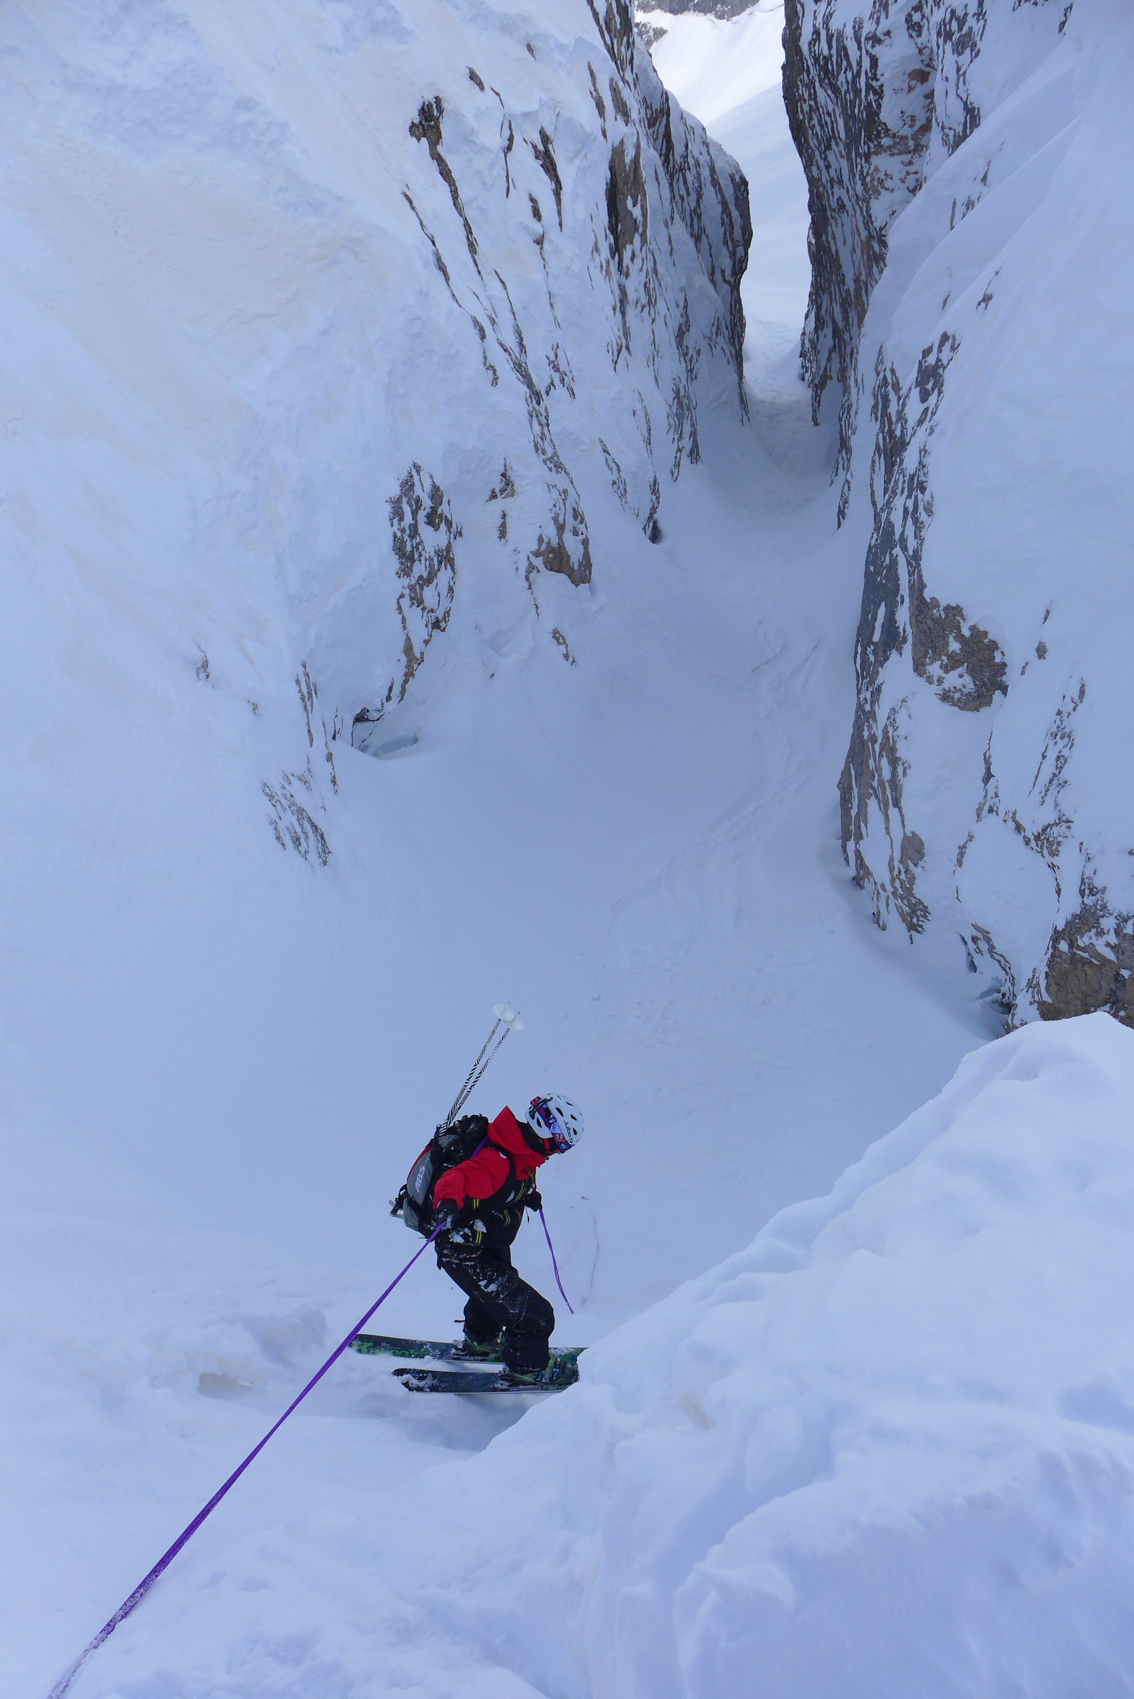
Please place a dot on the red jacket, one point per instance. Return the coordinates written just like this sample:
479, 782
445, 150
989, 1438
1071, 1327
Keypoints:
481, 1175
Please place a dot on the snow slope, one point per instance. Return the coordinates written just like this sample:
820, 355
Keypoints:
887, 1449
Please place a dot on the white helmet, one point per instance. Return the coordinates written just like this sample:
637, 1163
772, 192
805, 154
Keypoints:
556, 1118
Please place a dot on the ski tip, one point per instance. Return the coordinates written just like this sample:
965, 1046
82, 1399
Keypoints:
508, 1016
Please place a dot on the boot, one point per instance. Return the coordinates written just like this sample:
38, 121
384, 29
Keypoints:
557, 1373
471, 1349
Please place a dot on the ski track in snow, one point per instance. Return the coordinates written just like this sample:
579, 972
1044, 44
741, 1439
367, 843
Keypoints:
640, 852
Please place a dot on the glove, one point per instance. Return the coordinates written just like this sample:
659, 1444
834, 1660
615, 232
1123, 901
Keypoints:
534, 1201
446, 1213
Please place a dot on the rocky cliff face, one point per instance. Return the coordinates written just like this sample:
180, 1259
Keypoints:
393, 271
582, 239
967, 316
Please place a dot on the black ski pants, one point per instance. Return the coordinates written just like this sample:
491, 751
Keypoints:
499, 1301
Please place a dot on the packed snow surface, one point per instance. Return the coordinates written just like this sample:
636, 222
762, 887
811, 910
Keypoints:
221, 1057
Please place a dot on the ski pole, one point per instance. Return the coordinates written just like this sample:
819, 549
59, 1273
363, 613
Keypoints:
163, 1562
554, 1264
509, 1019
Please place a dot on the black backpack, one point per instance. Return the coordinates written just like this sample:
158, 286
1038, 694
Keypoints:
447, 1147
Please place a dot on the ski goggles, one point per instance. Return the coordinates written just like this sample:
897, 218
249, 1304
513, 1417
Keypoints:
540, 1116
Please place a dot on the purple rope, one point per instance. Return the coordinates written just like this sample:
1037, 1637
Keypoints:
554, 1265
163, 1562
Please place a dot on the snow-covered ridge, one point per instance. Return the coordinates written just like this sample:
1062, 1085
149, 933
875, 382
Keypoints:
969, 297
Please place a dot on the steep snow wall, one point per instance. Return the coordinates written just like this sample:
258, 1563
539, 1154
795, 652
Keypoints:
885, 1450
327, 305
972, 269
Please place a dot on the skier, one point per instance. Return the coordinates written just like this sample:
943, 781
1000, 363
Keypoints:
481, 1202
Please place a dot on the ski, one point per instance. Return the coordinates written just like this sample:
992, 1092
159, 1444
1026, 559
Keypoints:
440, 1350
559, 1375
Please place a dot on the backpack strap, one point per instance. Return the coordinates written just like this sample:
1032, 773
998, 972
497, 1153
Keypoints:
503, 1192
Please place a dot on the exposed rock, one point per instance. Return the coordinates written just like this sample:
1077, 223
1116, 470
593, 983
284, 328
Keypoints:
426, 565
627, 210
711, 8
422, 534
545, 159
308, 695
963, 663
292, 822
943, 647
1090, 962
568, 550
426, 128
